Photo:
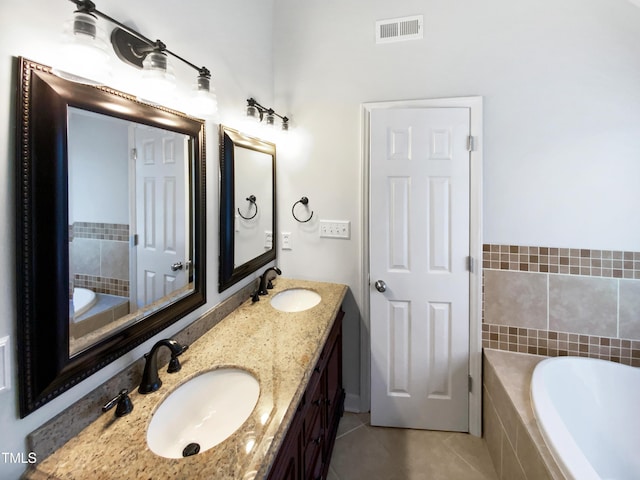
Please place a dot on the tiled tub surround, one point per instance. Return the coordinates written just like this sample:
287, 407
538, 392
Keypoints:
99, 257
565, 302
513, 439
572, 261
279, 348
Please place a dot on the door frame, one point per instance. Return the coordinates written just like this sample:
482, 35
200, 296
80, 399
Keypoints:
474, 104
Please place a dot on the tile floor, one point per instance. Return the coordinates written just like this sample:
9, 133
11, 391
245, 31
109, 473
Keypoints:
375, 453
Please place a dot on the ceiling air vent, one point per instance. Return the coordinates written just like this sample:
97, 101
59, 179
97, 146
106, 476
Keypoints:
399, 29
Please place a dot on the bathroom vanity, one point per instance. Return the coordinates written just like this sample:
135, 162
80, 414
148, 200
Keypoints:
306, 449
297, 359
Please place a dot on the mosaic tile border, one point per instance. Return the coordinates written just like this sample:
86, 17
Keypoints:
569, 261
554, 344
110, 286
100, 231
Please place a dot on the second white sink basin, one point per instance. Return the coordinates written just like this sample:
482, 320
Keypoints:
202, 412
295, 300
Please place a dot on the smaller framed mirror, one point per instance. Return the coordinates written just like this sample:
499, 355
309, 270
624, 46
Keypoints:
247, 205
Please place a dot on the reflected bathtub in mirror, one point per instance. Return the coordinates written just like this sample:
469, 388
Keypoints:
88, 215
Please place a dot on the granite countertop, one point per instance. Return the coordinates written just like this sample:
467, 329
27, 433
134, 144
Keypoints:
279, 348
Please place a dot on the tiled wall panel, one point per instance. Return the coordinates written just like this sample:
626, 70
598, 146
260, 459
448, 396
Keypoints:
562, 301
99, 257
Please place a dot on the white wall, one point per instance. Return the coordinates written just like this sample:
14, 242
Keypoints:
233, 39
561, 88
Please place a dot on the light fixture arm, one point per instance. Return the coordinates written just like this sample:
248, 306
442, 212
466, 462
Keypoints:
252, 102
141, 48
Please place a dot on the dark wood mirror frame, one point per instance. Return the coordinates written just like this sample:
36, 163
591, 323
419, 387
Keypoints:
42, 232
229, 139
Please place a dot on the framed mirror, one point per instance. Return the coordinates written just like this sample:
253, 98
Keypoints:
247, 205
110, 223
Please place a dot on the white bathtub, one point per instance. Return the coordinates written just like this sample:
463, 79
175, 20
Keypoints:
588, 411
83, 300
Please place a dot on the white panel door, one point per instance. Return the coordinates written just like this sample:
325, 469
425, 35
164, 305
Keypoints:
160, 213
419, 248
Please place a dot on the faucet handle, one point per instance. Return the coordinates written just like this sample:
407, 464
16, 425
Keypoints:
174, 363
123, 402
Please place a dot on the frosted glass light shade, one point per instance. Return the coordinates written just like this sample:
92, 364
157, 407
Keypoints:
158, 79
203, 101
84, 56
204, 104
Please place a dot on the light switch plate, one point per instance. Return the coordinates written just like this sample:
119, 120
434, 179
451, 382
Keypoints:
335, 229
4, 364
268, 239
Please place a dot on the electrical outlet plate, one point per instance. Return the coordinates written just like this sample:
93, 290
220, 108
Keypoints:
268, 239
335, 229
286, 240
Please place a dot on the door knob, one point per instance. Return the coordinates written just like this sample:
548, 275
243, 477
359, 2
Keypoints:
381, 286
176, 266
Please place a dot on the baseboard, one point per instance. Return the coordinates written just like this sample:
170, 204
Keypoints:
352, 403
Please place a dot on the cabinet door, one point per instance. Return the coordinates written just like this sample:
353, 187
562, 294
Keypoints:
333, 374
334, 382
287, 465
334, 392
314, 426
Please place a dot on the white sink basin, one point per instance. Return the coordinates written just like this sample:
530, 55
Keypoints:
295, 300
202, 412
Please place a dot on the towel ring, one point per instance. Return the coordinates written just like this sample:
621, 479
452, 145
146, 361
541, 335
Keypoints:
303, 201
252, 200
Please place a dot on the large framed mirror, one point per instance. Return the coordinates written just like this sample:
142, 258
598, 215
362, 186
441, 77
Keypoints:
110, 227
247, 205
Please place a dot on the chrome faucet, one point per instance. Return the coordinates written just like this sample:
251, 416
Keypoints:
150, 380
265, 282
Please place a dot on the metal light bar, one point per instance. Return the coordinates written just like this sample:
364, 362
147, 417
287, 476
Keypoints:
131, 46
270, 112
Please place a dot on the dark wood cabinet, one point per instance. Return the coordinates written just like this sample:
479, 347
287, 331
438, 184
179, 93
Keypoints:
306, 450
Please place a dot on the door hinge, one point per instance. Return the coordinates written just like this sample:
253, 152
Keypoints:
471, 264
134, 154
470, 384
471, 143
134, 239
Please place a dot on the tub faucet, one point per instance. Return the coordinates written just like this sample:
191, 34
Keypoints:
150, 380
265, 282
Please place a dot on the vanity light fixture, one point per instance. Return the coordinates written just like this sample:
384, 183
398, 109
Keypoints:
138, 51
84, 56
260, 113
